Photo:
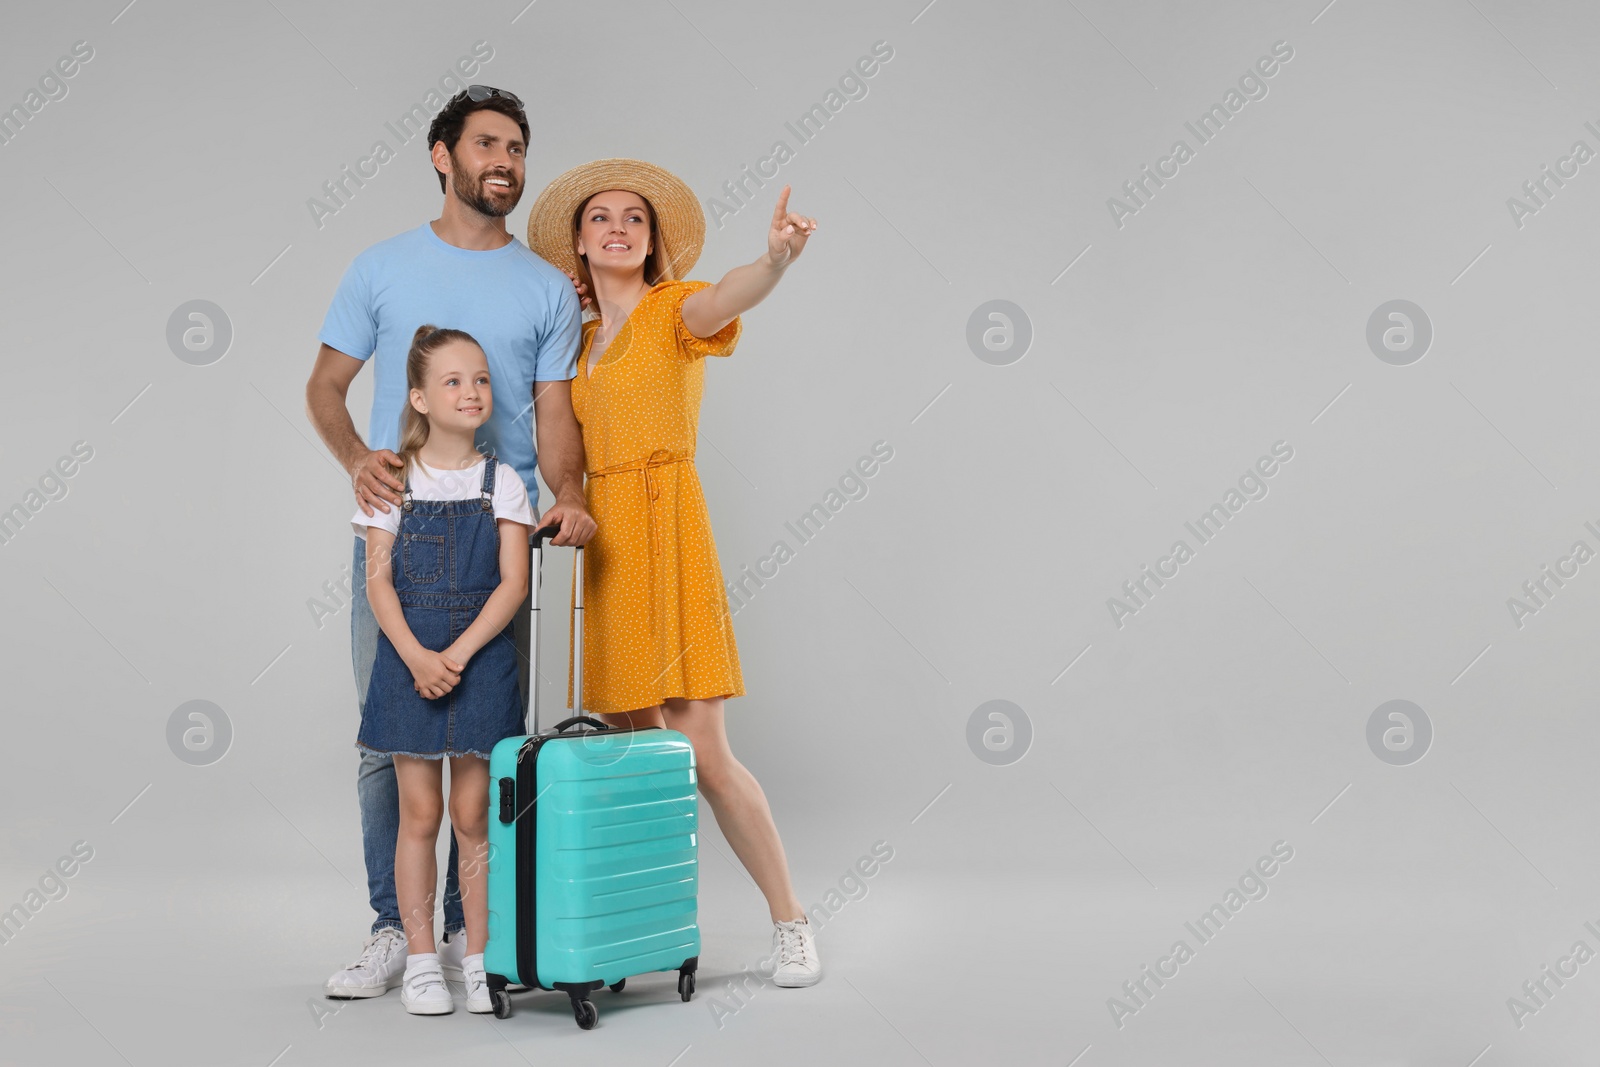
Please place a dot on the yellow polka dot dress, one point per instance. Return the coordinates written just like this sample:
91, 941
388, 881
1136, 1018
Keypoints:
656, 621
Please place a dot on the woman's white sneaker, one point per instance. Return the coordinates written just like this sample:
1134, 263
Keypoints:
795, 947
424, 991
382, 962
478, 999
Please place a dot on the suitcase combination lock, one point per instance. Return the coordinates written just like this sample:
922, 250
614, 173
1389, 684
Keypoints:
508, 800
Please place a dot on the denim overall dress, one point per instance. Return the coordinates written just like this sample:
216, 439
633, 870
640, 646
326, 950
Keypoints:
446, 563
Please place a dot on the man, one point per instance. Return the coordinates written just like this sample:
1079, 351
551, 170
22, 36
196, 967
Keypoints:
462, 270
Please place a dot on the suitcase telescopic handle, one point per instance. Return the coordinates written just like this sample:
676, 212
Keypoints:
536, 568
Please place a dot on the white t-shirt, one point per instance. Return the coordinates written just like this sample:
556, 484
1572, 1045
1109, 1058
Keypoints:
434, 483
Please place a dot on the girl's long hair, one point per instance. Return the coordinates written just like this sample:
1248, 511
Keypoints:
658, 266
414, 424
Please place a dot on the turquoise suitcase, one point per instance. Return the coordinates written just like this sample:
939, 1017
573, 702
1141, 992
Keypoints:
593, 849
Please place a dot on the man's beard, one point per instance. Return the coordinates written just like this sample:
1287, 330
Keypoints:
471, 192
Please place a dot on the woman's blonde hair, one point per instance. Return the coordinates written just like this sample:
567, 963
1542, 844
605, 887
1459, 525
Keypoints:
414, 424
658, 266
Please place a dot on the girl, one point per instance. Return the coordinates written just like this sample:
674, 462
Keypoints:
658, 639
445, 600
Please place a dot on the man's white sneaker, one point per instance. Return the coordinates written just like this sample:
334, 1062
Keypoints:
451, 952
424, 991
478, 999
382, 962
795, 947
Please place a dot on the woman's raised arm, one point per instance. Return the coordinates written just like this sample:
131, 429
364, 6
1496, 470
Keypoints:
742, 288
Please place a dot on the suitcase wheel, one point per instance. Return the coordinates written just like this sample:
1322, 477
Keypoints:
502, 1004
686, 984
585, 1012
616, 987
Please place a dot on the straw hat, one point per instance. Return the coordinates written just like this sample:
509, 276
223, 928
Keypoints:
680, 221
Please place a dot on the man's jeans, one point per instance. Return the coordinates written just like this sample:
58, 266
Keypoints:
375, 783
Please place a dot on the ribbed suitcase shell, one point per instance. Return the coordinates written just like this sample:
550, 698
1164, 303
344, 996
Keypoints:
612, 875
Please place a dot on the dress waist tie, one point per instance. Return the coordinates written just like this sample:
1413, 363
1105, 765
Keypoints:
648, 468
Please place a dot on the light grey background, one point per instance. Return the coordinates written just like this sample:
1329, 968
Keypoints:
1167, 755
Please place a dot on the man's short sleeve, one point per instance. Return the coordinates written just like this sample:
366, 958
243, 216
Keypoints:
557, 360
350, 326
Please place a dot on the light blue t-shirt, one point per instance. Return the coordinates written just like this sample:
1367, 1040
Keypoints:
520, 309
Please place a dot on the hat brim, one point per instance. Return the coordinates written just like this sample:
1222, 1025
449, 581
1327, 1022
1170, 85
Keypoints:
680, 221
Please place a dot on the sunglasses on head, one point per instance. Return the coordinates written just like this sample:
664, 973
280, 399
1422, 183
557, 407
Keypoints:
479, 93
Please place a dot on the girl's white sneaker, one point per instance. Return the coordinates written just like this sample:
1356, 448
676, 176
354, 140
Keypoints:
795, 946
451, 951
423, 992
478, 999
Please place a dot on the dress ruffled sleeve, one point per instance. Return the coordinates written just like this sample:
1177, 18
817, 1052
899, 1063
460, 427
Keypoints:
691, 347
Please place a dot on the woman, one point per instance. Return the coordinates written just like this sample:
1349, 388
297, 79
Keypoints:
660, 649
